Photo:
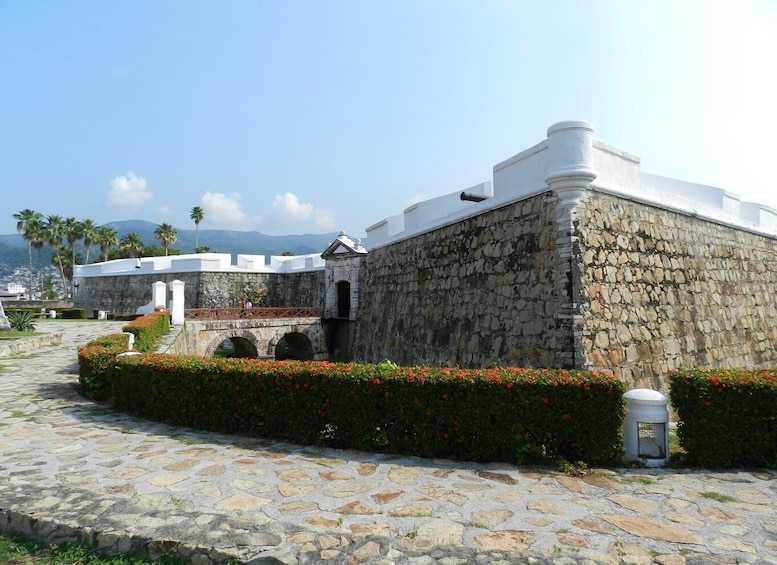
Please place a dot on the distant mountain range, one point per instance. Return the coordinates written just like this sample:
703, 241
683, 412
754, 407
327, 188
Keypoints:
13, 248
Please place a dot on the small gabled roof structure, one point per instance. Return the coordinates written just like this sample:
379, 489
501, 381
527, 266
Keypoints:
344, 246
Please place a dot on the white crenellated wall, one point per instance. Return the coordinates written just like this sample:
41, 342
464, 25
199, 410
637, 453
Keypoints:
426, 215
571, 159
201, 262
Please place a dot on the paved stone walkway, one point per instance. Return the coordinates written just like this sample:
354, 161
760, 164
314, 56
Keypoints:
74, 470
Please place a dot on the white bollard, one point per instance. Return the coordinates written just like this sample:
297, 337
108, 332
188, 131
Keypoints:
130, 340
646, 429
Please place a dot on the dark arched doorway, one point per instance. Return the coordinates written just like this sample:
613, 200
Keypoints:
343, 299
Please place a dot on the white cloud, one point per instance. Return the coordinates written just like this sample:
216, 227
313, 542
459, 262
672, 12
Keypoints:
289, 215
224, 211
287, 207
164, 211
127, 192
324, 219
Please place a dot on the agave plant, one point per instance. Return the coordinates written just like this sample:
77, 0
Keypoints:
21, 321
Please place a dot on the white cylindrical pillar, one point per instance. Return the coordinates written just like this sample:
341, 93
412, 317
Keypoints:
570, 155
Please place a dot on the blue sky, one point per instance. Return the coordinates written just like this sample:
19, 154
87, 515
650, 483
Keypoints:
316, 116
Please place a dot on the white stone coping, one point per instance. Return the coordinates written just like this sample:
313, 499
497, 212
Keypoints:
201, 262
575, 153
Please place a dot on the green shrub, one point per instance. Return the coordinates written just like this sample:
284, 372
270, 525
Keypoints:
97, 359
149, 330
727, 418
21, 320
122, 317
515, 415
72, 314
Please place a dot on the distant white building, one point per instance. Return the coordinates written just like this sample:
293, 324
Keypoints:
14, 291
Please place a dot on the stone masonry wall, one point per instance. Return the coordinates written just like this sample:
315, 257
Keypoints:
653, 290
125, 293
296, 289
485, 290
662, 290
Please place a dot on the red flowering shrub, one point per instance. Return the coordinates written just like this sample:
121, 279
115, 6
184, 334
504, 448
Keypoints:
149, 329
727, 418
500, 414
96, 359
94, 362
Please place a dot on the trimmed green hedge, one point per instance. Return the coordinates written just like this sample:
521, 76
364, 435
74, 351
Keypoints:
96, 360
149, 329
122, 317
727, 418
72, 314
500, 414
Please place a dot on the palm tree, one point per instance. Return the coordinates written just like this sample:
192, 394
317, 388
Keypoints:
131, 244
67, 266
88, 234
26, 218
166, 234
197, 215
38, 230
54, 230
106, 237
47, 290
71, 230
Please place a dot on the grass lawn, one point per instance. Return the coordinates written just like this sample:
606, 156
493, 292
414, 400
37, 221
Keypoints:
17, 550
13, 334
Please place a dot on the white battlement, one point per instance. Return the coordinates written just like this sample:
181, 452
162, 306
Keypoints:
201, 262
571, 155
429, 214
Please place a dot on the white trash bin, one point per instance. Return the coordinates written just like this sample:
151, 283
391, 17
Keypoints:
52, 314
646, 429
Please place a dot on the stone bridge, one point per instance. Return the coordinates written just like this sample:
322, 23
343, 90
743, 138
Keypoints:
263, 333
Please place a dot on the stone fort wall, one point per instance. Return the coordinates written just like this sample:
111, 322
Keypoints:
650, 290
123, 294
484, 290
661, 290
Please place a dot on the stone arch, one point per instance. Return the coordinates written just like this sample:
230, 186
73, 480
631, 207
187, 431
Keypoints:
244, 342
295, 345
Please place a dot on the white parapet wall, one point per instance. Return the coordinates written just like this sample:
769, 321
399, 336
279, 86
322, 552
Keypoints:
422, 216
570, 151
201, 262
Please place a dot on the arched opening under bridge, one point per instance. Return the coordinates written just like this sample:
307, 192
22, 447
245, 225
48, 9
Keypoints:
236, 346
295, 346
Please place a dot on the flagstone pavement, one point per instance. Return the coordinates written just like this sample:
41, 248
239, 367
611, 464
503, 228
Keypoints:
73, 470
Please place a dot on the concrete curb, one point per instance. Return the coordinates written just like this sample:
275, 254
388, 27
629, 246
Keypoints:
25, 344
